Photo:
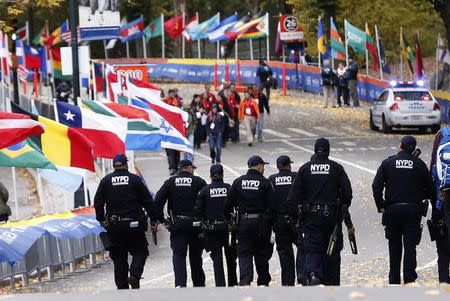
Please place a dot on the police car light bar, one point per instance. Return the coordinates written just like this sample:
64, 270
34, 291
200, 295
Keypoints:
393, 83
419, 83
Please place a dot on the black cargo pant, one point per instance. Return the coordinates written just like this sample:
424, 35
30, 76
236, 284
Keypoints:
254, 243
183, 236
403, 230
285, 237
127, 240
318, 229
443, 250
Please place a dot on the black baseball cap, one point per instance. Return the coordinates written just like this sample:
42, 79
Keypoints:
255, 161
186, 163
408, 143
283, 160
120, 160
216, 169
322, 146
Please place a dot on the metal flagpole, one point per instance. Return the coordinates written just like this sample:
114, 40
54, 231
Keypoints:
267, 39
218, 43
106, 50
94, 82
346, 45
144, 44
236, 42
198, 42
367, 59
320, 60
437, 62
251, 48
16, 204
401, 56
163, 50
86, 203
183, 40
380, 61
128, 50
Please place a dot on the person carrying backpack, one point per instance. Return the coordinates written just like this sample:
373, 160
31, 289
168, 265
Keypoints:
264, 72
439, 225
328, 82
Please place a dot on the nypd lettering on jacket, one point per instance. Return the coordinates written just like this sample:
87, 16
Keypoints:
120, 180
183, 182
218, 192
408, 164
283, 180
320, 169
250, 184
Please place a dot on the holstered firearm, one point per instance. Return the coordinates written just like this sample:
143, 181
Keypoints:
234, 221
154, 235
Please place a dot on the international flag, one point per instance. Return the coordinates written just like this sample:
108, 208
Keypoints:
193, 22
419, 60
106, 133
15, 128
40, 38
278, 42
141, 134
55, 36
170, 137
98, 77
174, 27
170, 120
61, 144
22, 70
24, 154
217, 34
442, 53
248, 30
154, 29
384, 62
407, 53
337, 46
321, 38
22, 33
356, 38
371, 48
4, 53
256, 29
200, 31
32, 57
233, 31
132, 31
56, 63
67, 178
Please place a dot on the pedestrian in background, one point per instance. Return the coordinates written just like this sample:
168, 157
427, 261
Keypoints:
249, 114
328, 78
233, 100
208, 98
172, 99
215, 126
263, 104
342, 85
264, 73
5, 210
352, 78
200, 116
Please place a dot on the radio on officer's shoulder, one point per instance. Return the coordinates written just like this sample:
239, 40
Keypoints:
416, 153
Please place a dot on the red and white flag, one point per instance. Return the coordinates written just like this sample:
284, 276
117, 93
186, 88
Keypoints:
15, 128
190, 24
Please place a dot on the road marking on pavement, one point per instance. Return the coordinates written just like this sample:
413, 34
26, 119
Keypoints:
277, 134
303, 132
303, 113
228, 168
328, 131
333, 158
347, 143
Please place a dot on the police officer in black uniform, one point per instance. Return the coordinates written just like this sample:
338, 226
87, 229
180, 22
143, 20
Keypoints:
210, 209
406, 182
320, 188
251, 194
181, 191
123, 196
285, 224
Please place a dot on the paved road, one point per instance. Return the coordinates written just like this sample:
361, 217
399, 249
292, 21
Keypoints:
291, 129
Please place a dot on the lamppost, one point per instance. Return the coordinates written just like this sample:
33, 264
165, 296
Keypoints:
73, 19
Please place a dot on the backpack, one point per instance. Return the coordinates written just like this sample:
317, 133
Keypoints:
442, 168
327, 76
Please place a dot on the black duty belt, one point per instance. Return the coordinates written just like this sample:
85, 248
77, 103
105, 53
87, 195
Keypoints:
320, 208
217, 222
251, 215
184, 217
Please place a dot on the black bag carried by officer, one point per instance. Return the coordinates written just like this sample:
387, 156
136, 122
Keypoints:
106, 240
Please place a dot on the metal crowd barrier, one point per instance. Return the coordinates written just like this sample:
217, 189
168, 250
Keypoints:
52, 254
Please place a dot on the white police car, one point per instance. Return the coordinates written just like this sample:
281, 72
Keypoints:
405, 105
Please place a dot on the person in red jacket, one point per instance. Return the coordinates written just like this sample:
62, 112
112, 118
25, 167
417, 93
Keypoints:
208, 98
172, 99
249, 114
234, 100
